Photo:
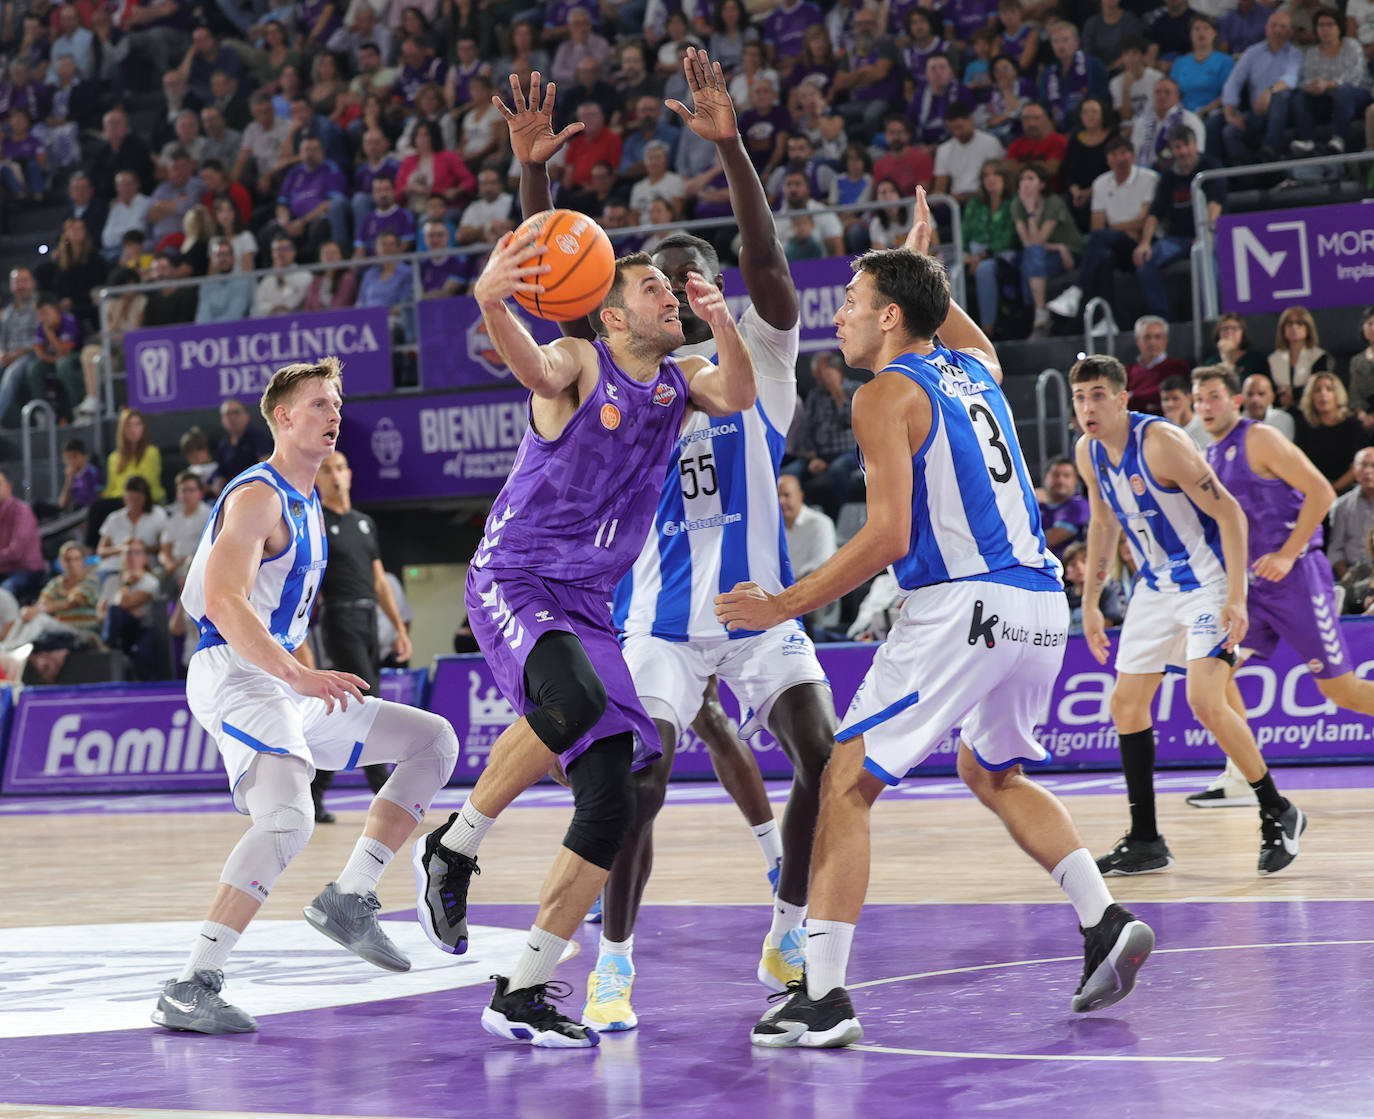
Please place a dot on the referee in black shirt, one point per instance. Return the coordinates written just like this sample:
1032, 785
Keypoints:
354, 585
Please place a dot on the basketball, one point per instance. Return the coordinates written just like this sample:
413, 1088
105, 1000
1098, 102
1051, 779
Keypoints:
581, 265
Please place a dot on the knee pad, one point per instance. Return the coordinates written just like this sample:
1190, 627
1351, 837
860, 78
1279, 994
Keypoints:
603, 800
423, 771
290, 826
570, 696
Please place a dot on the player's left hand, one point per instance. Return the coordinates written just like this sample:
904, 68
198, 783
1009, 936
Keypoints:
707, 302
1235, 619
1272, 566
918, 240
403, 646
748, 606
530, 126
714, 115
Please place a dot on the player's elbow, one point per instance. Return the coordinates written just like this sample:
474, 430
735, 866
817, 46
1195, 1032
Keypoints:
741, 397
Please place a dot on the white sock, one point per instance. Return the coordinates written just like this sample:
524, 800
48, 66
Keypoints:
622, 948
364, 868
770, 841
1077, 875
211, 949
468, 831
827, 955
786, 917
542, 952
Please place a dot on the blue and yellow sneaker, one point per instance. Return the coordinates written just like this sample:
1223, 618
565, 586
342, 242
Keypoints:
608, 995
785, 964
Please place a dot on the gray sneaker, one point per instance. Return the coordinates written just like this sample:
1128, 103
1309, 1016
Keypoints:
351, 920
195, 1005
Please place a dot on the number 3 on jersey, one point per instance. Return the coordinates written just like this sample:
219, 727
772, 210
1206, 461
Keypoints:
1000, 469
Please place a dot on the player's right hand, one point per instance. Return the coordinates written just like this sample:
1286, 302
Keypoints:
1095, 632
513, 266
330, 686
918, 240
532, 138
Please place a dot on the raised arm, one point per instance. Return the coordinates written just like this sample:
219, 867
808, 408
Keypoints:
1268, 450
762, 262
1173, 458
727, 386
887, 423
252, 516
958, 331
546, 371
1104, 533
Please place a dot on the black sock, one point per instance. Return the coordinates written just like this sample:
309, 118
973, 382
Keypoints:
1138, 765
1269, 798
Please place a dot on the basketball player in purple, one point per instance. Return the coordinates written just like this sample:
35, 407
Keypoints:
1292, 595
605, 417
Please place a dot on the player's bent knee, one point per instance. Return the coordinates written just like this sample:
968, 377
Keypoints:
291, 826
603, 800
571, 697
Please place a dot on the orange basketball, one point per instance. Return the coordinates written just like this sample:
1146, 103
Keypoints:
581, 265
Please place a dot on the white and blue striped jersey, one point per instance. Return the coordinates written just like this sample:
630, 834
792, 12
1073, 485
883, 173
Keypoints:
973, 509
1177, 547
718, 521
284, 590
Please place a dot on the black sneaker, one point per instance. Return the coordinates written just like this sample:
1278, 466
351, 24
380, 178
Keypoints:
1113, 950
527, 1015
441, 886
1279, 842
1136, 856
803, 1022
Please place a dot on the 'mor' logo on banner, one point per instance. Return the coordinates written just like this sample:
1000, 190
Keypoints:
156, 371
1246, 247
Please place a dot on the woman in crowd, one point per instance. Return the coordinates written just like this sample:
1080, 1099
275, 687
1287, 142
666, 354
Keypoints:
1327, 433
482, 134
332, 287
522, 50
1202, 74
139, 519
1362, 372
1050, 241
752, 67
133, 456
227, 226
198, 229
813, 117
888, 225
23, 162
817, 59
1001, 114
433, 169
1334, 85
125, 606
1297, 354
429, 108
1234, 350
731, 30
989, 238
276, 55
78, 271
67, 603
1086, 157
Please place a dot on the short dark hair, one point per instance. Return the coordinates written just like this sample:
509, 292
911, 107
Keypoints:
690, 243
1117, 142
133, 236
46, 299
915, 282
1098, 367
212, 165
1176, 383
193, 439
1204, 373
1059, 460
616, 296
1181, 132
1133, 43
957, 111
189, 476
76, 446
139, 484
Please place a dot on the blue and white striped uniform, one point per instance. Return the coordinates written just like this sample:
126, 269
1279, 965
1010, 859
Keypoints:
284, 591
1177, 547
718, 523
248, 711
969, 523
980, 638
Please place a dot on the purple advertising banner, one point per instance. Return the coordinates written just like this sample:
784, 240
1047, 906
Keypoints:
176, 368
1321, 256
455, 351
451, 445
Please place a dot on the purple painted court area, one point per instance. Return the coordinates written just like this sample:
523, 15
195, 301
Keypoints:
1252, 1007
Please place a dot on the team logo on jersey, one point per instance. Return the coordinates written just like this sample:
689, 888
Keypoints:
1315, 665
980, 628
365, 527
1231, 453
333, 530
612, 391
664, 394
1138, 485
297, 509
610, 417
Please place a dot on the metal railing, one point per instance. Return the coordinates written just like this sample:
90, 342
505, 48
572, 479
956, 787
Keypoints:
1051, 378
27, 422
1099, 322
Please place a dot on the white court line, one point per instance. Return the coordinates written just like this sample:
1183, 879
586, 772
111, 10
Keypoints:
1030, 1056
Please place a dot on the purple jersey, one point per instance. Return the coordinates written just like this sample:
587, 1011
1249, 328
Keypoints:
576, 509
786, 29
1270, 504
365, 173
396, 220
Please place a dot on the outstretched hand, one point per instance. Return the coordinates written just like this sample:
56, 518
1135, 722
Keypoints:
714, 115
512, 267
918, 240
532, 138
707, 302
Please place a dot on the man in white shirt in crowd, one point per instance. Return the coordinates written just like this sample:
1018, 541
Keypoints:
129, 210
283, 290
1258, 395
959, 160
658, 182
1351, 519
1121, 197
810, 542
1134, 86
796, 195
487, 216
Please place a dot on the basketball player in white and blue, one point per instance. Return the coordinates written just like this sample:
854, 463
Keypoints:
250, 587
977, 645
718, 523
1188, 613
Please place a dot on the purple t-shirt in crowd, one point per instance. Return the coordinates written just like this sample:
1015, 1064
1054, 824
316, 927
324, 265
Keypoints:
87, 486
760, 132
1071, 514
434, 274
27, 148
786, 30
968, 16
365, 173
303, 189
398, 221
68, 330
308, 11
411, 79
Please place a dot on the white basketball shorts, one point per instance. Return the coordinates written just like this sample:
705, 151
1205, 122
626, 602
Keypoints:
1162, 631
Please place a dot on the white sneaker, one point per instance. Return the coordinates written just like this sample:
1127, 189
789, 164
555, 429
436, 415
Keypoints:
1302, 147
1336, 145
1067, 302
88, 407
1225, 791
